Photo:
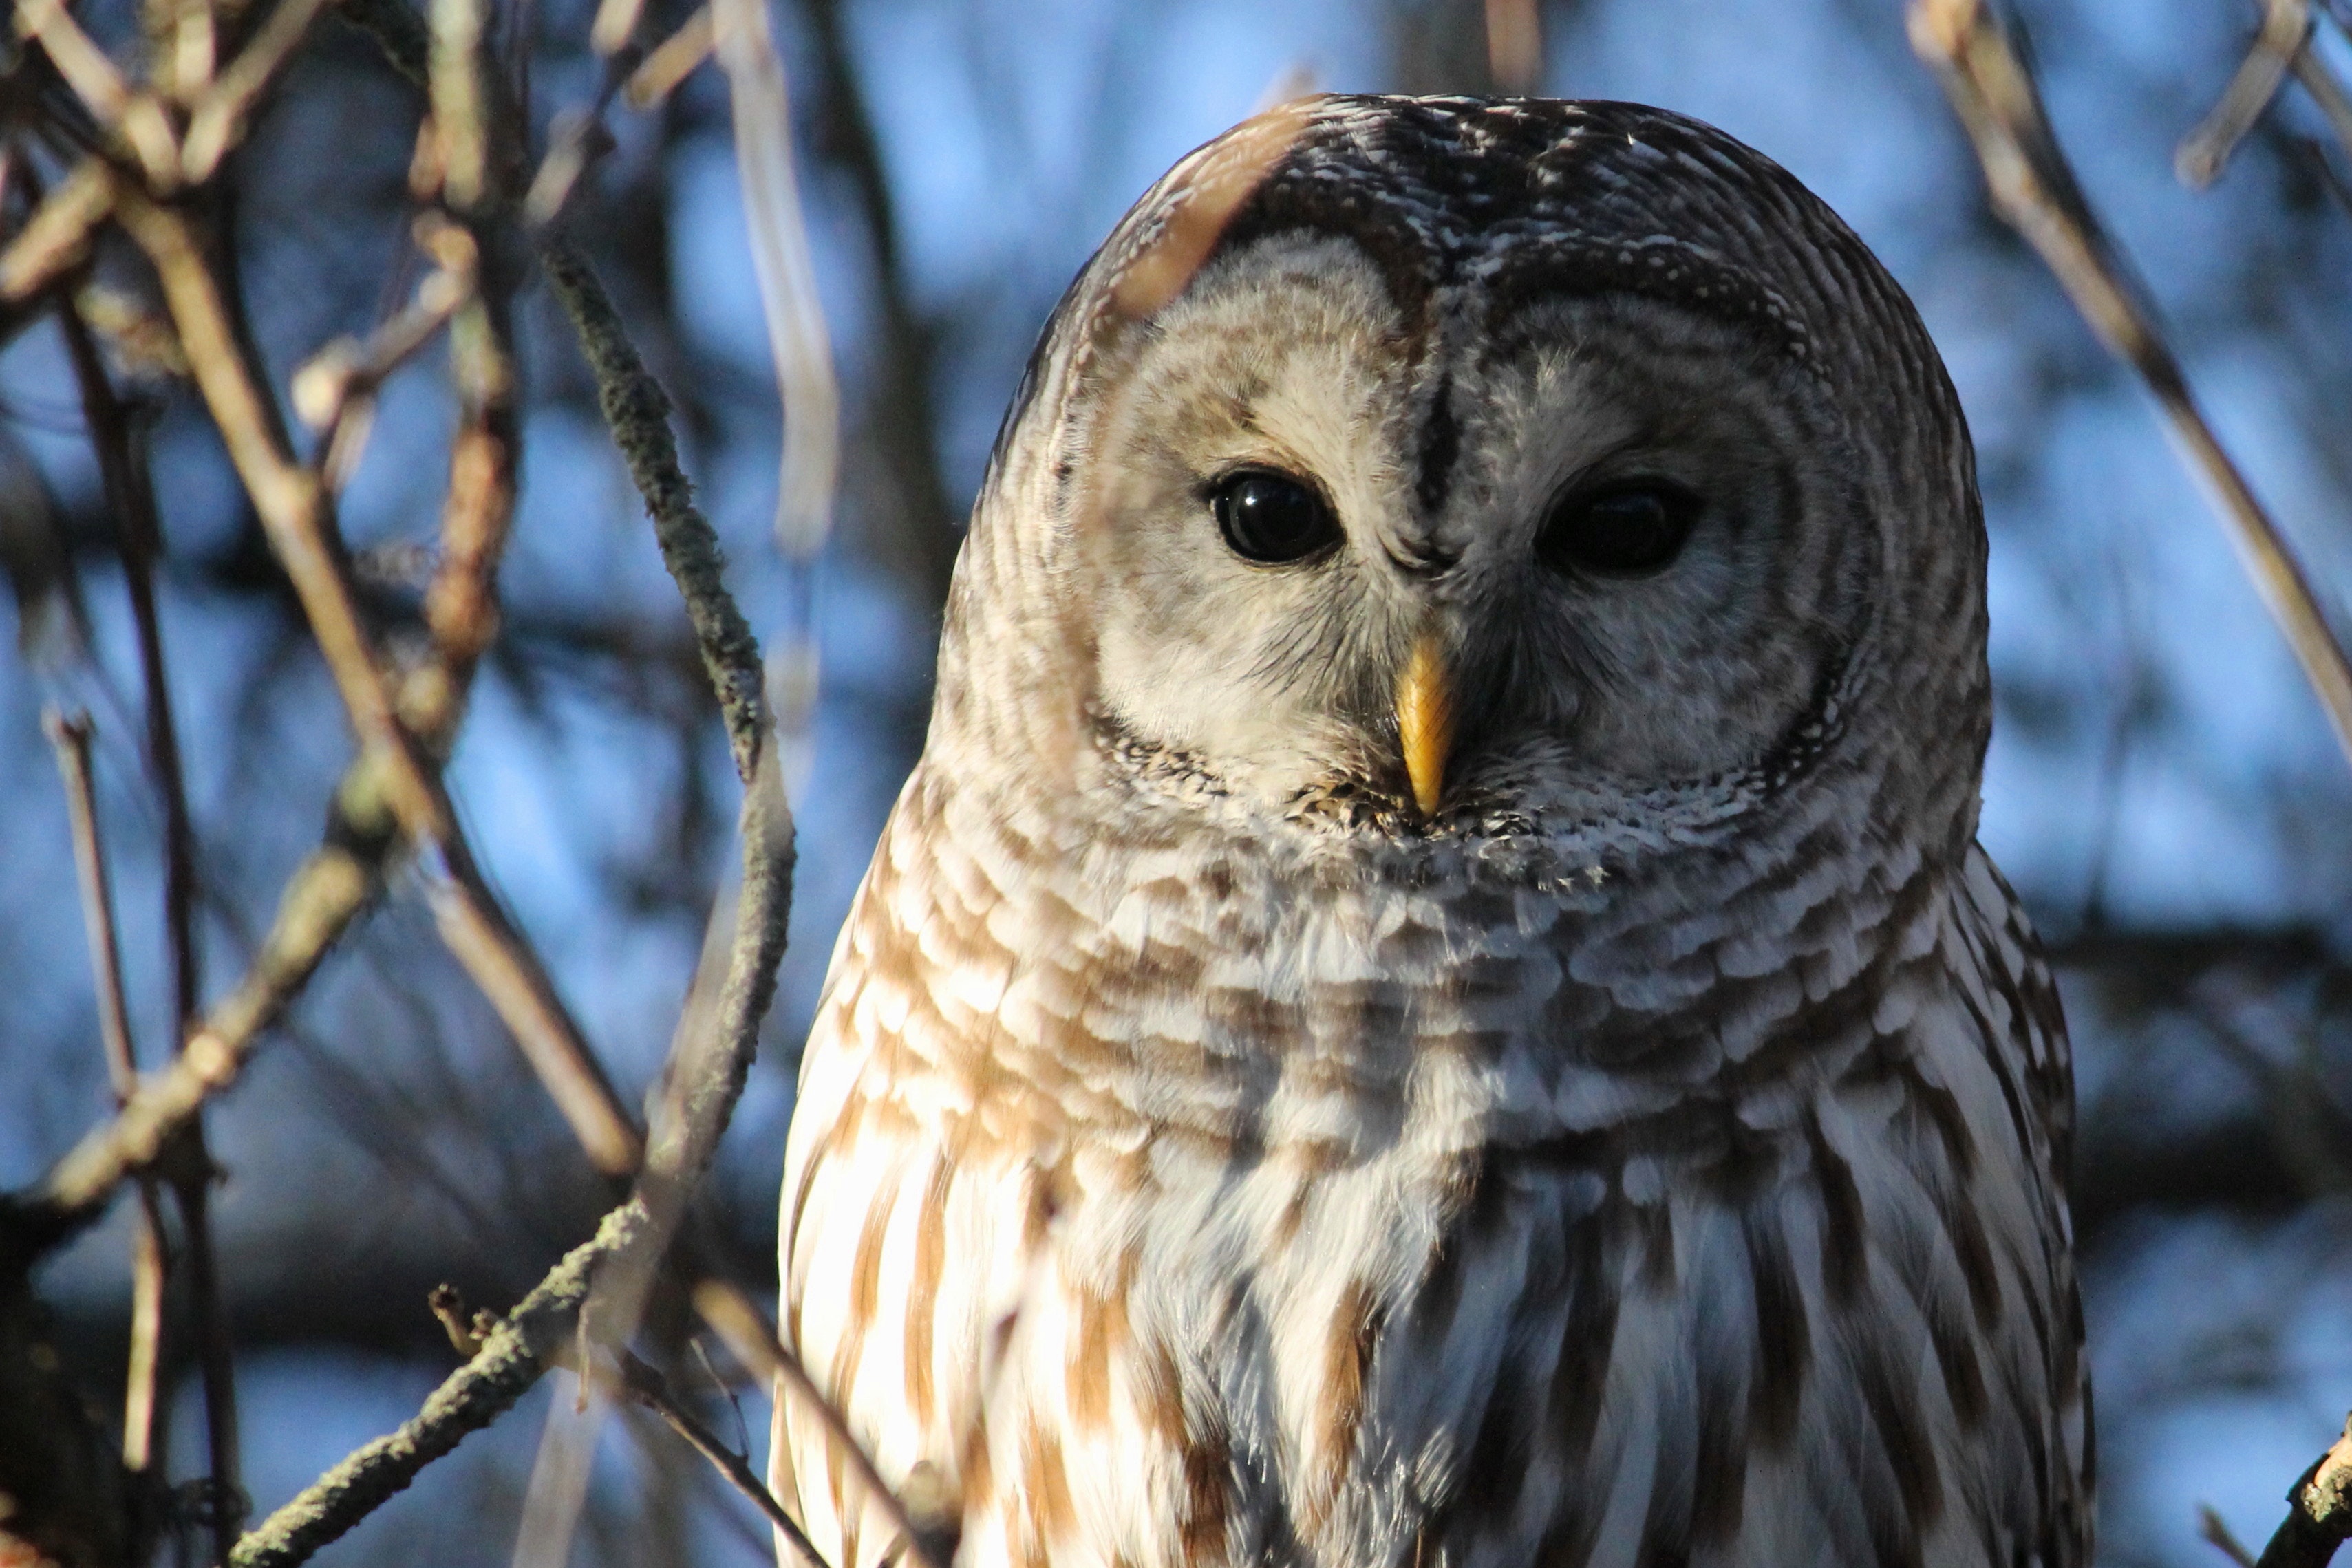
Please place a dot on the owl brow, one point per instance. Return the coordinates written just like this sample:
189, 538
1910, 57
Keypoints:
1665, 273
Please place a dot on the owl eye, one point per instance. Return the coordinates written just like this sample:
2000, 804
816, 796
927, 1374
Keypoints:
1622, 529
1271, 519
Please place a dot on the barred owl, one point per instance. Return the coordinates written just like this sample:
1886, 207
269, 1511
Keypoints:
1433, 998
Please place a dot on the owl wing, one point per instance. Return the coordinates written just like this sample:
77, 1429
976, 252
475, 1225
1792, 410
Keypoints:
907, 1219
2024, 1026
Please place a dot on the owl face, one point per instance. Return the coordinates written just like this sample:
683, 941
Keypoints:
1561, 543
1445, 468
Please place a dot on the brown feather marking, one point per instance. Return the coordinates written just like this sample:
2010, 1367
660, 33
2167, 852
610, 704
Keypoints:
1845, 1257
1943, 1111
864, 1290
1044, 1486
1037, 1214
1568, 1541
832, 1144
1346, 1363
836, 1481
1783, 1340
1164, 1398
1975, 1254
1102, 1332
1956, 1355
1587, 1341
1208, 1500
923, 1289
977, 1471
1905, 1444
1657, 1224
1205, 1459
1724, 1400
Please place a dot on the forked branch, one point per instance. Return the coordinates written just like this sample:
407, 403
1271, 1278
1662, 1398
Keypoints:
2035, 189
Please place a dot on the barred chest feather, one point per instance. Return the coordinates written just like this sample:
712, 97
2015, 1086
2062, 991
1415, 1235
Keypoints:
1172, 1206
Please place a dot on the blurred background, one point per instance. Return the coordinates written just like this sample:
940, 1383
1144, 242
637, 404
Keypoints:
2162, 789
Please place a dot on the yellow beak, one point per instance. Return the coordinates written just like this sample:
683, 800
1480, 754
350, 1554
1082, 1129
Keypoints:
1425, 710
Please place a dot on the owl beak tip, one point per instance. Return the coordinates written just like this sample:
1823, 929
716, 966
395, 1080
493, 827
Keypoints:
1425, 710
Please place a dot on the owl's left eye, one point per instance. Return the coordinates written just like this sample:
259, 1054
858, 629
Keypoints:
1625, 529
1271, 519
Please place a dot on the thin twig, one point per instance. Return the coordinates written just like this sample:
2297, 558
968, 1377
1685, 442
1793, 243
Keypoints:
616, 25
1515, 44
2215, 1532
461, 608
78, 60
753, 1343
671, 62
454, 79
637, 411
334, 392
295, 510
578, 139
218, 121
901, 412
516, 1355
2205, 151
2036, 191
707, 1084
131, 495
134, 114
151, 1268
318, 904
2327, 92
183, 41
71, 736
647, 1388
58, 235
811, 459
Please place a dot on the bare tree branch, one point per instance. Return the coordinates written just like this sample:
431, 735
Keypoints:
131, 495
58, 235
295, 509
901, 409
705, 1080
2205, 151
639, 411
747, 1336
69, 735
671, 61
2328, 93
2035, 191
515, 1355
2319, 1512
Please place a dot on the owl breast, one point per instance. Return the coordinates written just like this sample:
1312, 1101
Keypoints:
1153, 1203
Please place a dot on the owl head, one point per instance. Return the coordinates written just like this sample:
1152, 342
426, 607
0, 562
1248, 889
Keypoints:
1426, 469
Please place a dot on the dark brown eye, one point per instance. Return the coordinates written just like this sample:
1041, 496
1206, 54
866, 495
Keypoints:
1622, 529
1271, 519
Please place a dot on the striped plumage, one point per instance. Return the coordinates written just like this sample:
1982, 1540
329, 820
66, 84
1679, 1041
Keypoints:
1651, 1153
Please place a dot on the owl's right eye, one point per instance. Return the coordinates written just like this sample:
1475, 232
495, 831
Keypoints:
1271, 519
